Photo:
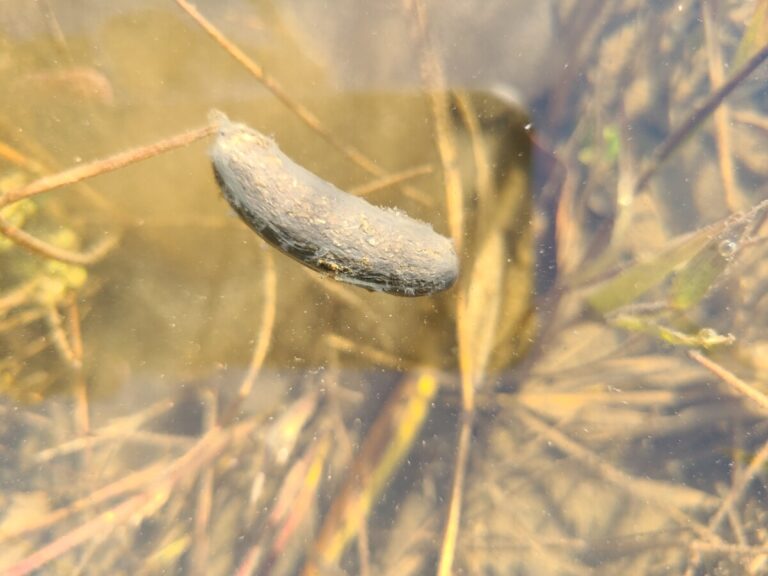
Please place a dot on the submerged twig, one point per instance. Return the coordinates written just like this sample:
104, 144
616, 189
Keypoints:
721, 114
74, 330
732, 380
662, 153
434, 78
77, 174
10, 154
756, 466
671, 499
17, 296
33, 244
394, 179
59, 337
451, 530
203, 507
386, 444
104, 165
157, 490
263, 340
277, 90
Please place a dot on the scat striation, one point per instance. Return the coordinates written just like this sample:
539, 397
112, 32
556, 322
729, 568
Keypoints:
322, 227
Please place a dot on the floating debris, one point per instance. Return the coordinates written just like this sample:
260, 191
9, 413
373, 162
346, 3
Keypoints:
323, 227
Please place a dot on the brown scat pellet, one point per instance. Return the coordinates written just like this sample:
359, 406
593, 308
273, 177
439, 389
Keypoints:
322, 227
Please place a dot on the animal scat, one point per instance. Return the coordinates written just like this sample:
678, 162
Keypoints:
328, 230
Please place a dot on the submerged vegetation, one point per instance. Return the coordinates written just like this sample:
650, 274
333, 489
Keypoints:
590, 397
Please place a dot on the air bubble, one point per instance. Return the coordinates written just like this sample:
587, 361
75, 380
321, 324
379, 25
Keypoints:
727, 248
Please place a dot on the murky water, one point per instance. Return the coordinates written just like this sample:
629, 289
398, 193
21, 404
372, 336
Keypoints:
190, 399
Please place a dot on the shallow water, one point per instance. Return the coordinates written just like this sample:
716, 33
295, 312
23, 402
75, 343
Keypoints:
135, 436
